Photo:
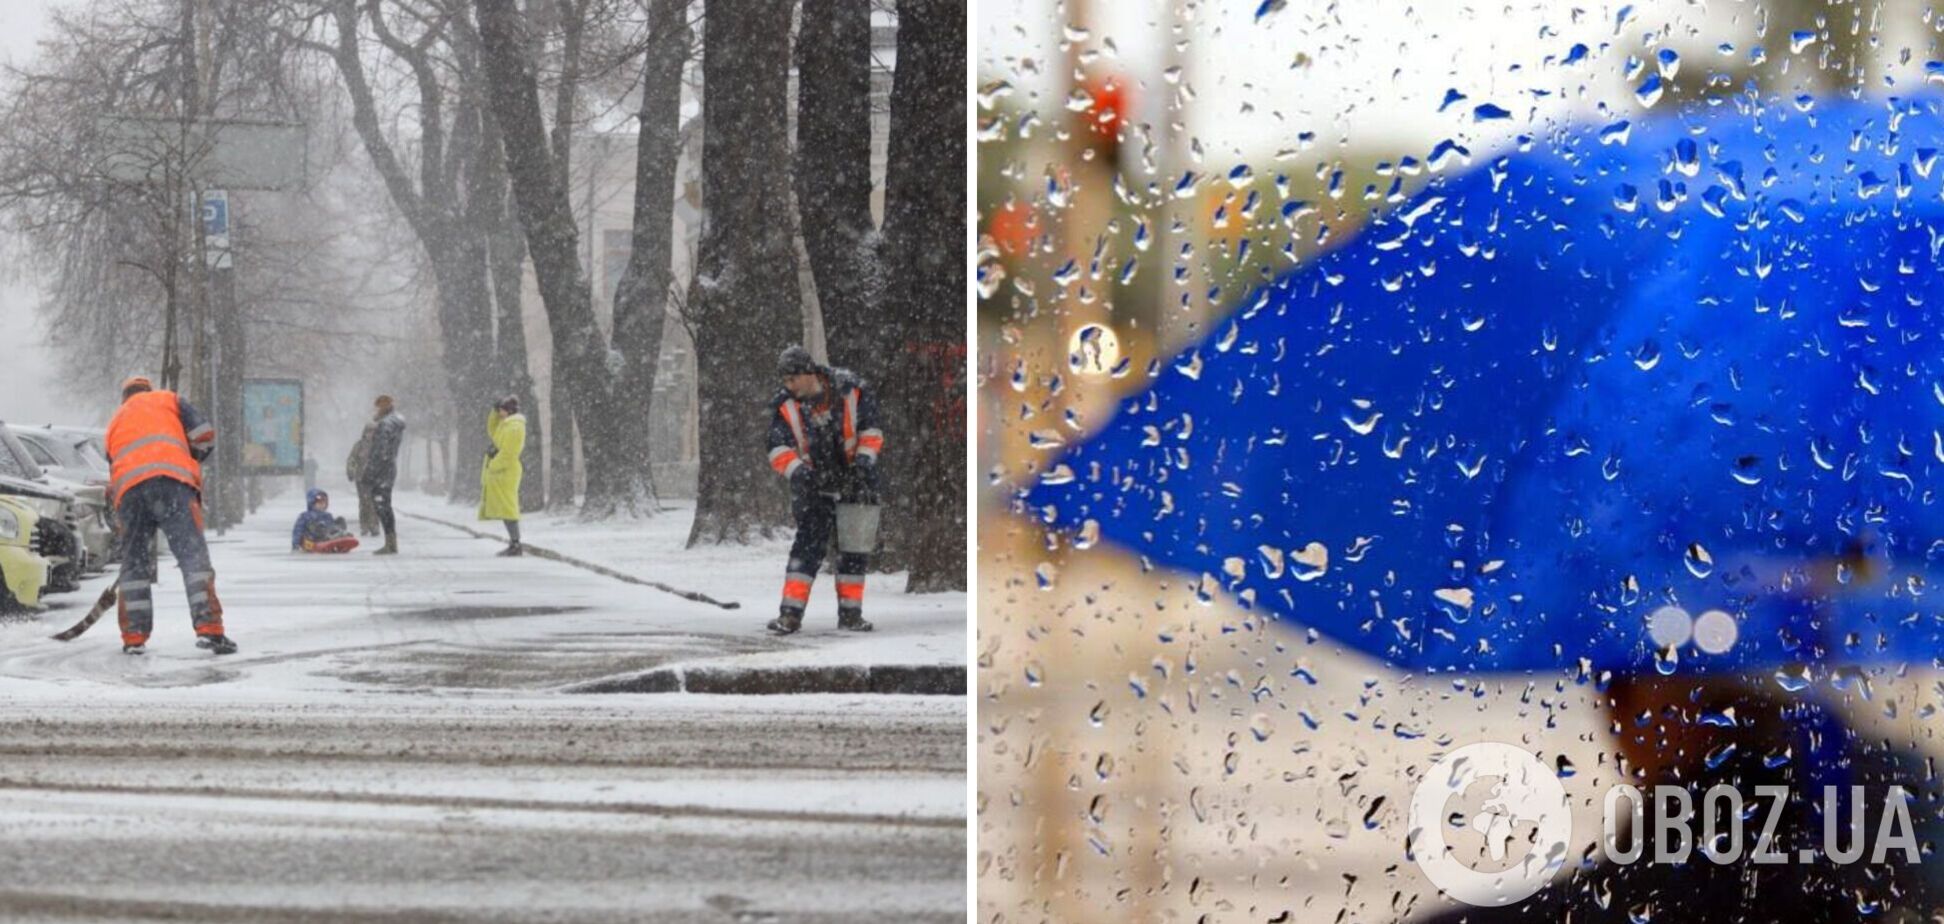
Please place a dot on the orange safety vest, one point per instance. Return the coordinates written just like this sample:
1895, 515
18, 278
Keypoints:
145, 440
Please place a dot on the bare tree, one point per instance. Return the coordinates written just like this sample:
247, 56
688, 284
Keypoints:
832, 169
744, 307
581, 350
923, 333
641, 296
121, 268
450, 138
491, 204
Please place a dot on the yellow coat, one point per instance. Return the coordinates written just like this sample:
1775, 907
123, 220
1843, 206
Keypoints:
499, 478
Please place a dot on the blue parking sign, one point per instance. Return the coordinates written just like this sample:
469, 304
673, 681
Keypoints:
215, 209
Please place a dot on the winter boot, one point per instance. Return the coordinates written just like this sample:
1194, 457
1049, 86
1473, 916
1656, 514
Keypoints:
134, 649
390, 547
513, 551
219, 644
787, 622
853, 621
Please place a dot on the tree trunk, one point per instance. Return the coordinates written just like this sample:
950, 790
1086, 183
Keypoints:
465, 328
833, 176
466, 308
553, 241
924, 230
560, 456
488, 201
641, 295
745, 306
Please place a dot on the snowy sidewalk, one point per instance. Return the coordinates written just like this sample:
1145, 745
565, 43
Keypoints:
405, 731
446, 614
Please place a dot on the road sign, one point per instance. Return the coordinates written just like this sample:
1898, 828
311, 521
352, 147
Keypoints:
216, 228
231, 154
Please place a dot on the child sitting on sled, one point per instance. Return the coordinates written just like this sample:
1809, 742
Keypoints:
317, 530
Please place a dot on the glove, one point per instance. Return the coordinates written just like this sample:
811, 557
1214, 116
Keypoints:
866, 480
492, 451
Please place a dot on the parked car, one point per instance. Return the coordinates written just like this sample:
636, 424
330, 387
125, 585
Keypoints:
24, 572
66, 454
87, 516
51, 536
95, 437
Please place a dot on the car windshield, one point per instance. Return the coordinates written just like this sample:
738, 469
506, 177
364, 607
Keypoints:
53, 452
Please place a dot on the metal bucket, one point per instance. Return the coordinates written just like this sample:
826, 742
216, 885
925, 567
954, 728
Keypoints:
857, 528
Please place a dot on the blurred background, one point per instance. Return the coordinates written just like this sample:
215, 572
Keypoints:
1148, 747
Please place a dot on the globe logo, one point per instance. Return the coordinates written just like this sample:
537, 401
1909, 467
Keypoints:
1523, 822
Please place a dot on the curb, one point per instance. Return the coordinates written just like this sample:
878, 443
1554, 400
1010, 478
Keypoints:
901, 679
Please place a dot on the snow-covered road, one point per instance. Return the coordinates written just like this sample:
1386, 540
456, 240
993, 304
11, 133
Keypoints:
393, 744
411, 808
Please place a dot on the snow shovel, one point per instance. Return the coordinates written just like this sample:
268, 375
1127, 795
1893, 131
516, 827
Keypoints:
857, 528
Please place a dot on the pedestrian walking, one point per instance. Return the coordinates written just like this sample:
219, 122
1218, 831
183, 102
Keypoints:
156, 445
824, 438
499, 476
354, 466
381, 468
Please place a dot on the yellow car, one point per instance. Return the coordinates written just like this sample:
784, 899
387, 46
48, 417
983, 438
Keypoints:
23, 572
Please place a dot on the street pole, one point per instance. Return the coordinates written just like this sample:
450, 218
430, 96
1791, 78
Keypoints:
231, 348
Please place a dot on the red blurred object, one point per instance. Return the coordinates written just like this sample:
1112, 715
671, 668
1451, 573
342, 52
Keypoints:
1013, 227
1111, 101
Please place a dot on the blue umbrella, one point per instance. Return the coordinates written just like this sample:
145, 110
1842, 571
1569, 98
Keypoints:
1664, 397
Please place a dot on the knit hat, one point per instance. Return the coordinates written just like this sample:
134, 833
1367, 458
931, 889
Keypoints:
795, 361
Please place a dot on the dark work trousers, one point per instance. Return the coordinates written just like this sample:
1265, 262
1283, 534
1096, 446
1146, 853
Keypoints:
816, 529
381, 502
176, 509
367, 512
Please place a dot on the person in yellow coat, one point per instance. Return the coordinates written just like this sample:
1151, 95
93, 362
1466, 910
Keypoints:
499, 478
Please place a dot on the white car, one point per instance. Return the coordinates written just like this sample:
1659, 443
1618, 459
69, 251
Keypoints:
74, 514
66, 453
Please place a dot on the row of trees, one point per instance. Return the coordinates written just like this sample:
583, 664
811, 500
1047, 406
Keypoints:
465, 114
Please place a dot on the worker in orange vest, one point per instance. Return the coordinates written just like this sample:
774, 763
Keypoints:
156, 445
824, 438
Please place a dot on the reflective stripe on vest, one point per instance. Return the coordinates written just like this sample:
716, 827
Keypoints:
850, 425
794, 418
141, 473
145, 440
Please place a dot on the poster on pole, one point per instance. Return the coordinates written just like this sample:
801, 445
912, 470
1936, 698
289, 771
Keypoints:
273, 426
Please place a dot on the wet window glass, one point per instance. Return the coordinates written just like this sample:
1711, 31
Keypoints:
1445, 462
